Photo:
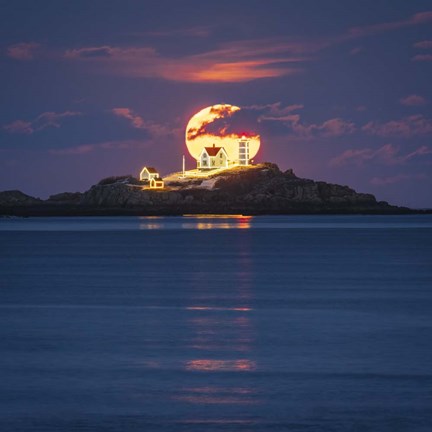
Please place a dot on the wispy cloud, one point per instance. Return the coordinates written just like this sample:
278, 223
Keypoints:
356, 50
235, 61
42, 121
197, 31
330, 128
416, 19
108, 145
136, 121
103, 51
413, 100
415, 125
230, 62
274, 111
422, 58
421, 151
291, 119
22, 51
387, 155
425, 44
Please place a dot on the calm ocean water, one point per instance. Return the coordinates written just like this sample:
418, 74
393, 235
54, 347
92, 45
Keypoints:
216, 324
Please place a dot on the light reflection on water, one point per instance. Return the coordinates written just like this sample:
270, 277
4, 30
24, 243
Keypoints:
217, 395
220, 365
213, 308
197, 222
222, 339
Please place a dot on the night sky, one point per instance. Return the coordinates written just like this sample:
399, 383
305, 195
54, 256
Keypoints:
341, 90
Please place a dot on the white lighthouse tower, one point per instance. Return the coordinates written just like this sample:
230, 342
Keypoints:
243, 148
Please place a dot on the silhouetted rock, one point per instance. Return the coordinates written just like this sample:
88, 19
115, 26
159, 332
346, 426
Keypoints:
259, 189
127, 179
14, 198
65, 197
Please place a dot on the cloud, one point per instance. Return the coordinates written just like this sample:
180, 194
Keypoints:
198, 31
287, 117
356, 50
387, 155
22, 51
231, 62
421, 151
416, 19
19, 126
42, 121
422, 57
415, 125
334, 127
108, 145
425, 44
330, 128
90, 52
413, 100
127, 113
274, 111
361, 156
136, 121
385, 181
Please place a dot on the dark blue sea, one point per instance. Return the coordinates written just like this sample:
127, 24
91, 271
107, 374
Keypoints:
299, 323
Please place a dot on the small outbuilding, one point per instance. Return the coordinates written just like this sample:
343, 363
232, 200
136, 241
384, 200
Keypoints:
148, 173
156, 183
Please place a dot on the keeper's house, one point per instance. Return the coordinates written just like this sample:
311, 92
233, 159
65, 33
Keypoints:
212, 157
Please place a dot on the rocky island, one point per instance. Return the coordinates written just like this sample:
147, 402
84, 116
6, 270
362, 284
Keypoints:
252, 190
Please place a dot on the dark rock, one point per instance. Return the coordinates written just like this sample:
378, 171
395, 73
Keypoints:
17, 198
259, 189
65, 197
127, 179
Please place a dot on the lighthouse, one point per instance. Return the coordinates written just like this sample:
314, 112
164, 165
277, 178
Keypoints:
243, 149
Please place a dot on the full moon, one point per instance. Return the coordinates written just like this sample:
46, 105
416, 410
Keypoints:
215, 125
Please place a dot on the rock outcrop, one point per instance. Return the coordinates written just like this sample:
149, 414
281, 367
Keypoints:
260, 189
16, 198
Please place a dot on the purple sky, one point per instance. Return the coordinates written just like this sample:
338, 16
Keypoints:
341, 90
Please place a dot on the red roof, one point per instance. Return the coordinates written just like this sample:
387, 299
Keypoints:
213, 151
151, 170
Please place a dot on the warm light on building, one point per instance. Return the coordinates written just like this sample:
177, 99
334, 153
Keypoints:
156, 183
150, 175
